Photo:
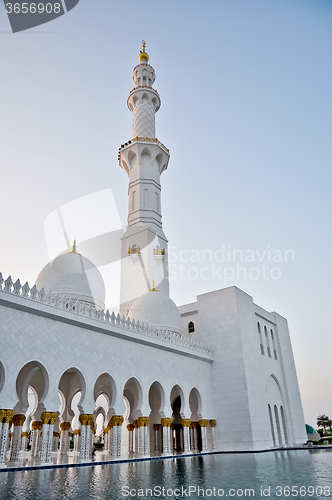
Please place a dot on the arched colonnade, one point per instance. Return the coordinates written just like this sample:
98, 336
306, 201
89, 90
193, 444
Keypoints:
150, 423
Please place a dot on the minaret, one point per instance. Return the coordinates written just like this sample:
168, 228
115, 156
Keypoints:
144, 158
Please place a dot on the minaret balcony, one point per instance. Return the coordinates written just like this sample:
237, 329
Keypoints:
134, 252
159, 253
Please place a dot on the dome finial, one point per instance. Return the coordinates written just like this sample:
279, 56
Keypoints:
143, 56
74, 247
153, 289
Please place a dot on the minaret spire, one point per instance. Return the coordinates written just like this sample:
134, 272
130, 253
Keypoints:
143, 56
144, 158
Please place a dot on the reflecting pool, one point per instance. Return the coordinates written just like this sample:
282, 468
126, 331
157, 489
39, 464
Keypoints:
279, 474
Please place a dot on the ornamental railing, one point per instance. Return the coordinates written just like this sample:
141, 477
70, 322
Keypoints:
143, 87
85, 309
145, 139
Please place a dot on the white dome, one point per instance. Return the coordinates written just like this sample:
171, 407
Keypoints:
156, 309
74, 276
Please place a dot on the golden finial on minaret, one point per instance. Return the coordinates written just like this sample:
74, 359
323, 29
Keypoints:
74, 247
143, 56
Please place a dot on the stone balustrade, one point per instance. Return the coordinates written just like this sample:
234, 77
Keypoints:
88, 310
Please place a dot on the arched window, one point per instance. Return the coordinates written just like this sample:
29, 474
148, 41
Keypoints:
276, 414
272, 426
267, 342
191, 327
274, 345
260, 338
284, 424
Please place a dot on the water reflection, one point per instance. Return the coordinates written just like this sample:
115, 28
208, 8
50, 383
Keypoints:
231, 471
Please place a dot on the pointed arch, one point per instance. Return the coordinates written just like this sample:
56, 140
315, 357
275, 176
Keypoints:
32, 374
105, 384
133, 392
195, 404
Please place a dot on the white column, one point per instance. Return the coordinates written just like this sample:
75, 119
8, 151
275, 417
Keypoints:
9, 440
203, 424
87, 442
76, 440
50, 438
213, 424
156, 437
24, 441
143, 423
145, 440
92, 441
106, 440
166, 425
64, 439
186, 440
114, 437
39, 439
55, 441
136, 431
34, 434
195, 437
83, 418
130, 429
44, 442
119, 441
82, 442
5, 416
3, 444
109, 438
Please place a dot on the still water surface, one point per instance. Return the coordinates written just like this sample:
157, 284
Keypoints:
217, 475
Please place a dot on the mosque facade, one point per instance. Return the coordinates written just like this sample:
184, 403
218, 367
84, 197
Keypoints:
214, 375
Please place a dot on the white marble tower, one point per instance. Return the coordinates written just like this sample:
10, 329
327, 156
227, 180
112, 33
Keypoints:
144, 158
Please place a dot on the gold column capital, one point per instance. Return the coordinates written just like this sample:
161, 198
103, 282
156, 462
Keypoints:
2, 415
213, 423
117, 420
65, 426
54, 417
156, 426
18, 420
143, 421
185, 422
203, 423
34, 425
83, 418
130, 427
135, 424
45, 417
56, 434
25, 434
9, 416
166, 422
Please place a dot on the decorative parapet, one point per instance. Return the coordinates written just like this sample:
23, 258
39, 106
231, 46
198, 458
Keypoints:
143, 87
84, 309
143, 139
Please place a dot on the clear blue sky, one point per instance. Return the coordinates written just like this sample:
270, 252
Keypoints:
246, 113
